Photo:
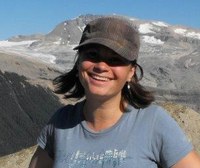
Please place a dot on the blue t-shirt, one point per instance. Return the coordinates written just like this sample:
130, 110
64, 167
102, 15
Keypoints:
141, 138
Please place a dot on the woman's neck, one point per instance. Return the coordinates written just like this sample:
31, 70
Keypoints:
101, 115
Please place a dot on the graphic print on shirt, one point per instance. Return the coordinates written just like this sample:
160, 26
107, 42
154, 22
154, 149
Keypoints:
109, 158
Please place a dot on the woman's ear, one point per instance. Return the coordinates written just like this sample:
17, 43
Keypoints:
131, 73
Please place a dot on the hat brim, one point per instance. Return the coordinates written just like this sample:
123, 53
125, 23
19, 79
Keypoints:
113, 45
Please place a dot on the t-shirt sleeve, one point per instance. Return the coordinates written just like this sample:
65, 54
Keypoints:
46, 137
45, 140
169, 142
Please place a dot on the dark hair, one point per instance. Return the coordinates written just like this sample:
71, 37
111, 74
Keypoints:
69, 84
136, 95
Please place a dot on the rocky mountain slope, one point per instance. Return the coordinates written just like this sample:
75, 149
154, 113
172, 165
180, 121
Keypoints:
169, 55
26, 101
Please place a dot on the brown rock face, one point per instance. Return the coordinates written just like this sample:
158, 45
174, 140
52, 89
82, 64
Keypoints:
188, 119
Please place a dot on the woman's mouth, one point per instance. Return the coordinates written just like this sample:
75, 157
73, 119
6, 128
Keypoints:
99, 78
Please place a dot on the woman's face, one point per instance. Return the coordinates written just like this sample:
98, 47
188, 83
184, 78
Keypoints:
102, 72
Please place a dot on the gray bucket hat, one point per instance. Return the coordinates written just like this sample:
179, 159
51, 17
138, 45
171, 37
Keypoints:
116, 33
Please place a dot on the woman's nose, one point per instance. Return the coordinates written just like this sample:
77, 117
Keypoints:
101, 67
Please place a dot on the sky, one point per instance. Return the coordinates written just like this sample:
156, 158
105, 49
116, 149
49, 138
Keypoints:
26, 17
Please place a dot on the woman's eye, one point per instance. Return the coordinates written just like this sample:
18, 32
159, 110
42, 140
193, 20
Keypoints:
91, 56
114, 61
117, 62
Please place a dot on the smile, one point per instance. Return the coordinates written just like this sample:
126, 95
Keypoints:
100, 78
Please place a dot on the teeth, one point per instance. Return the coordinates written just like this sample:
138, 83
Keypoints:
100, 78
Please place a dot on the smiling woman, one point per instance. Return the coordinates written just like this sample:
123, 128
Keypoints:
115, 125
103, 72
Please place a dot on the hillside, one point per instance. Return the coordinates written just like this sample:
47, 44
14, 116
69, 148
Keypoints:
26, 102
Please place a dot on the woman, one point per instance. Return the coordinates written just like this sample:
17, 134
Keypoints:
115, 124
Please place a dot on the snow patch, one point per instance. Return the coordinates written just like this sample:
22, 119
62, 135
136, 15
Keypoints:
152, 40
146, 28
21, 49
193, 35
80, 28
180, 31
132, 19
187, 33
83, 27
11, 44
162, 24
58, 42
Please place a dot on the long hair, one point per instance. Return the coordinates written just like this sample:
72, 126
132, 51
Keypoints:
69, 84
135, 94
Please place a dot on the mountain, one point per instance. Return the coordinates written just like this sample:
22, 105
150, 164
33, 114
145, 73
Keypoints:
169, 55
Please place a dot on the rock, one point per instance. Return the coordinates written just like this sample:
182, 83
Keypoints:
20, 159
188, 119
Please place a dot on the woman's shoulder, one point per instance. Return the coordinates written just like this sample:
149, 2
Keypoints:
153, 114
67, 115
154, 108
160, 118
156, 111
